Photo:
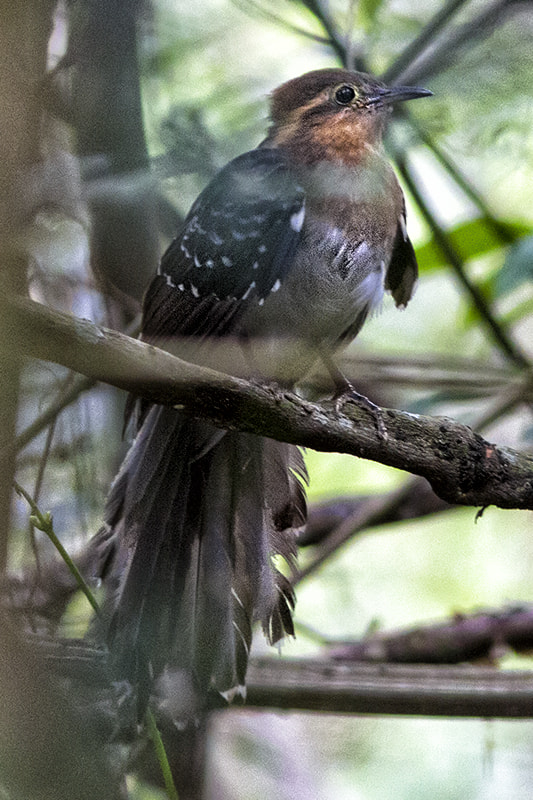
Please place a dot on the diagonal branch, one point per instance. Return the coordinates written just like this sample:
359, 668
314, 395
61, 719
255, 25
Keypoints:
425, 38
482, 306
353, 516
318, 9
460, 465
423, 63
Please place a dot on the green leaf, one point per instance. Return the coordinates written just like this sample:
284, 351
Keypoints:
471, 239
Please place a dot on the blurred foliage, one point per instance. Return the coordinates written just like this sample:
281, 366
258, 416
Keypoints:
206, 69
518, 267
473, 238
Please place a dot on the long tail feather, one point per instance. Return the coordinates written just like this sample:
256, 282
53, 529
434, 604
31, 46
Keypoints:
201, 518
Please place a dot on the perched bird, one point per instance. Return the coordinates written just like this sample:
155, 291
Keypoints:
281, 258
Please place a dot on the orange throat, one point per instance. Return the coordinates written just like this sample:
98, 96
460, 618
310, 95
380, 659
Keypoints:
342, 138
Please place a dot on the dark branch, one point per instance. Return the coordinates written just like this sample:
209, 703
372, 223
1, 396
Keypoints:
461, 466
466, 637
343, 687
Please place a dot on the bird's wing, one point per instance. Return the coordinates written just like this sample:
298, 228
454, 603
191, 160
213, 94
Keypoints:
237, 245
402, 272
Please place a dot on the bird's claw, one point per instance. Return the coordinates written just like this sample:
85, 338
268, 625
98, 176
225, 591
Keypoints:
348, 392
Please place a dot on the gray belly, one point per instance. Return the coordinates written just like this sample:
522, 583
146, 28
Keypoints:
331, 288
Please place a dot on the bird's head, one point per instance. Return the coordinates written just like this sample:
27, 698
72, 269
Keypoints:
333, 114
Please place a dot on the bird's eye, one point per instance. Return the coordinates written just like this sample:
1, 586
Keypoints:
344, 95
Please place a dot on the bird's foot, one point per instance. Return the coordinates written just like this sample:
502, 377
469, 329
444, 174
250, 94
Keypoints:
347, 392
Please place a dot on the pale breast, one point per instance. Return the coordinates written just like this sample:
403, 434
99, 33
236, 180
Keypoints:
338, 274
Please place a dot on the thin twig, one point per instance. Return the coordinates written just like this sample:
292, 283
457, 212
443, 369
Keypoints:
44, 523
250, 8
43, 459
76, 385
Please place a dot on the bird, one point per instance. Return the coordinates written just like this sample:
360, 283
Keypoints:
276, 267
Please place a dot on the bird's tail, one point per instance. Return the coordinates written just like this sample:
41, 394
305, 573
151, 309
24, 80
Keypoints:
200, 518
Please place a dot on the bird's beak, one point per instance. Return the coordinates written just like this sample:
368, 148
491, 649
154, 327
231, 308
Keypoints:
396, 94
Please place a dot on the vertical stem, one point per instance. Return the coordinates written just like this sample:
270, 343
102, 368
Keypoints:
161, 755
24, 34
